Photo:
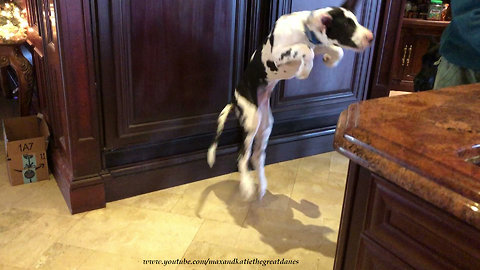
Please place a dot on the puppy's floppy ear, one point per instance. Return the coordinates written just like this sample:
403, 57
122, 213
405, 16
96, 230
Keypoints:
350, 4
327, 20
321, 20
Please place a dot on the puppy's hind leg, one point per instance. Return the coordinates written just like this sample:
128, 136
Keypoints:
250, 120
261, 142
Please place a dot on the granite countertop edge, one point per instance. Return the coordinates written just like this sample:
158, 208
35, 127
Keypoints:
427, 189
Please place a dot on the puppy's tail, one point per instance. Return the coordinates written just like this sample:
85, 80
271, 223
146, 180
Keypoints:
221, 124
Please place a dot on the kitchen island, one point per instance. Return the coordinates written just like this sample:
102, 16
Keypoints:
412, 198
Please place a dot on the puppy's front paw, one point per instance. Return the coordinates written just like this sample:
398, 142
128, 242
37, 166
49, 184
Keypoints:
330, 61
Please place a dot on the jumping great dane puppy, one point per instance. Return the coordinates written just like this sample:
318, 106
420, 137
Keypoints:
287, 52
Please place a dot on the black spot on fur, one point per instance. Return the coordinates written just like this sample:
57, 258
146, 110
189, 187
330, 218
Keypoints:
295, 54
238, 109
342, 28
241, 144
271, 65
254, 77
285, 54
271, 39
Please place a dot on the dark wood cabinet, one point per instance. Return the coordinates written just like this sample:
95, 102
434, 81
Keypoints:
133, 90
167, 69
385, 227
415, 39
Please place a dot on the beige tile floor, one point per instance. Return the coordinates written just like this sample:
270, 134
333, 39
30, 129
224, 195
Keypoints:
297, 220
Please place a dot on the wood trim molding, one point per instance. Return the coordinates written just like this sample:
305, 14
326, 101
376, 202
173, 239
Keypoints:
75, 119
81, 101
386, 39
151, 175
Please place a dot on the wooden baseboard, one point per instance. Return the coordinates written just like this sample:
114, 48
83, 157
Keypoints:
163, 173
94, 191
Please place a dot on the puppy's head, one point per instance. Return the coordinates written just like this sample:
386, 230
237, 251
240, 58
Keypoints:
340, 27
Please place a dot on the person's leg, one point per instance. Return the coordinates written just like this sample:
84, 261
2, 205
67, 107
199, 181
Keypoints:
472, 76
449, 74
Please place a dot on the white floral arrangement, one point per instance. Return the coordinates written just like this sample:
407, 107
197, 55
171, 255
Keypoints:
13, 24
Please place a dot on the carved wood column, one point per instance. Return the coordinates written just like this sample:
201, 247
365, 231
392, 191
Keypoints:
77, 159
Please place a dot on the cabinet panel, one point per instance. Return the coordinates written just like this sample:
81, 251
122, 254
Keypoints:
401, 73
417, 232
373, 256
179, 55
174, 64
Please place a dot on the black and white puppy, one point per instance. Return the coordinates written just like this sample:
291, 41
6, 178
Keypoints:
287, 52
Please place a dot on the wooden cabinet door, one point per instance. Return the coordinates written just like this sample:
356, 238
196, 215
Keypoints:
421, 39
327, 91
167, 68
411, 49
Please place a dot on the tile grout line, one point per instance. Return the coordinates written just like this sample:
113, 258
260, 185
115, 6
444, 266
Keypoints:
199, 227
178, 200
295, 178
242, 226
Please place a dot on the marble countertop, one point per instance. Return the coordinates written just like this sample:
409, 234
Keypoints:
427, 143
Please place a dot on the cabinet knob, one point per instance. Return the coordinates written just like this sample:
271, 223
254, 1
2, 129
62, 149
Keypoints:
409, 55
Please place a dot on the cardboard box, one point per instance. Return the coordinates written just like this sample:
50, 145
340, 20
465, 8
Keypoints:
26, 141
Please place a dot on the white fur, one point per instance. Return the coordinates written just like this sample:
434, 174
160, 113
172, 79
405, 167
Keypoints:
211, 154
221, 124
